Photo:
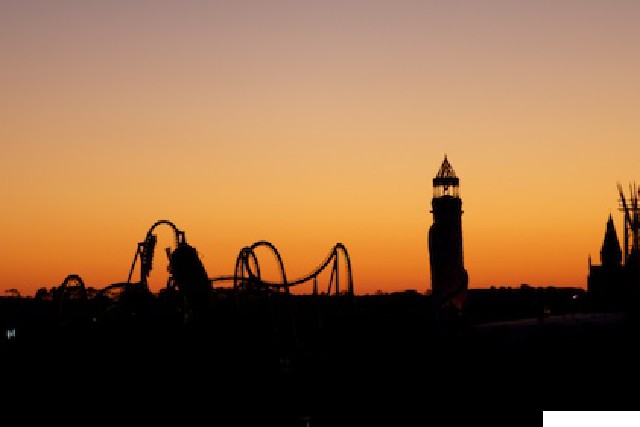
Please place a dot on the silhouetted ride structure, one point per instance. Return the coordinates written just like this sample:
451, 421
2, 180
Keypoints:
146, 250
247, 274
251, 331
190, 289
252, 307
72, 288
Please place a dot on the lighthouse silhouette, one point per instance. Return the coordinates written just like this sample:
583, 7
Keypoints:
449, 279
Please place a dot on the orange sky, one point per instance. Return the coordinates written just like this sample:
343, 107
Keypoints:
311, 123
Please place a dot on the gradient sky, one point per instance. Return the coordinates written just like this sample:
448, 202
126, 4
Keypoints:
307, 123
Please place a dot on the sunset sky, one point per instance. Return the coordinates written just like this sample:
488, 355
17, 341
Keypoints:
307, 123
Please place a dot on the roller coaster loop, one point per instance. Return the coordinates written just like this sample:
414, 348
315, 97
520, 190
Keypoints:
247, 273
146, 249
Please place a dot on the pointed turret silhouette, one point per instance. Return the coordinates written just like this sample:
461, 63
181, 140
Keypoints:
608, 283
611, 252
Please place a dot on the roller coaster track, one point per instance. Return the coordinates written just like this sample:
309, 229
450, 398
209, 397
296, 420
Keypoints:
247, 275
68, 289
70, 297
146, 249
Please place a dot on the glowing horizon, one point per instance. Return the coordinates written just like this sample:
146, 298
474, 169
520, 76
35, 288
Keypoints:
310, 124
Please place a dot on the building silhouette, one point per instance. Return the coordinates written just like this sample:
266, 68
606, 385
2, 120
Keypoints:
611, 284
449, 279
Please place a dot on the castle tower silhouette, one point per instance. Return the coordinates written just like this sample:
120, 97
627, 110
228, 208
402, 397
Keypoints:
449, 278
608, 283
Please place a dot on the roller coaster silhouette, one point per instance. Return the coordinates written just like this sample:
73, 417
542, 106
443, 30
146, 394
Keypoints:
189, 278
247, 275
252, 306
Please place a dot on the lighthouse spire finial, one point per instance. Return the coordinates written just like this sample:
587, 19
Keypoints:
445, 182
446, 170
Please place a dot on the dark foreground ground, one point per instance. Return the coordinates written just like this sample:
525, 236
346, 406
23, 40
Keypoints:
315, 361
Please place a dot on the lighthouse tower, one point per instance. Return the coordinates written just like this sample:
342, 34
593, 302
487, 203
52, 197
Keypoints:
449, 278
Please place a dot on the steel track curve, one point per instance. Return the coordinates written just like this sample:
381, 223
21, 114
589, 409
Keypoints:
247, 272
